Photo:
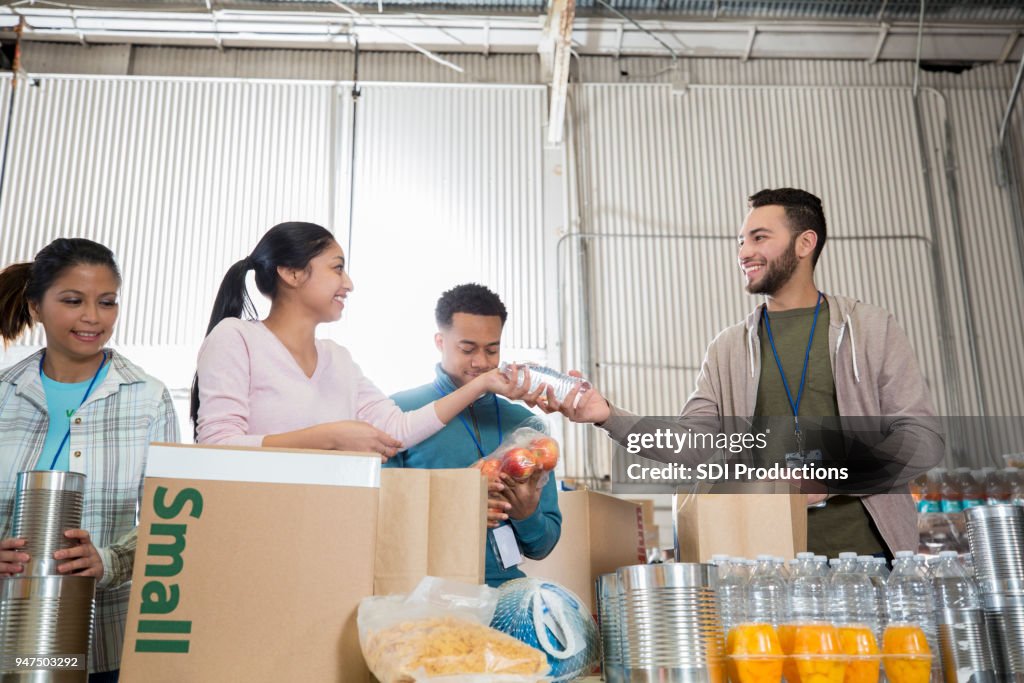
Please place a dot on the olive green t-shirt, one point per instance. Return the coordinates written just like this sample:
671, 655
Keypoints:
843, 524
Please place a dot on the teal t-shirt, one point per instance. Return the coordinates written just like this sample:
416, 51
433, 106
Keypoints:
62, 400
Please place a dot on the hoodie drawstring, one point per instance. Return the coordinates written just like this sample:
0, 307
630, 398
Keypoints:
853, 346
750, 347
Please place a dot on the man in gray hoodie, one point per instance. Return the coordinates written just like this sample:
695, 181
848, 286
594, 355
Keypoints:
803, 353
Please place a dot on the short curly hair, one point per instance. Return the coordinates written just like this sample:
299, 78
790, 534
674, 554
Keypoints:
803, 211
469, 298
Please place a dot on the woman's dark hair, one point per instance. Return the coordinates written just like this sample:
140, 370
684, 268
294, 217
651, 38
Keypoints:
286, 245
22, 283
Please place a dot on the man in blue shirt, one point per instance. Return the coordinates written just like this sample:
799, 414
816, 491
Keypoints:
470, 319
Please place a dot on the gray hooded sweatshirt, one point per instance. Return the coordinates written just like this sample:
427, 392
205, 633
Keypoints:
876, 375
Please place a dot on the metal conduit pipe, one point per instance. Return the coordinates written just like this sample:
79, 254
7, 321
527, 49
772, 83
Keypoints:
953, 189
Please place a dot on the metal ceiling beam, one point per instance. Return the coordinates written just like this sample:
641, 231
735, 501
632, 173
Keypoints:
517, 34
555, 51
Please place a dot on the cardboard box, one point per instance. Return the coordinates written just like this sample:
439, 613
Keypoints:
600, 533
740, 524
647, 505
251, 562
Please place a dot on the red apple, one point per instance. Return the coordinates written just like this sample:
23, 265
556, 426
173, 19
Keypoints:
519, 464
545, 450
489, 468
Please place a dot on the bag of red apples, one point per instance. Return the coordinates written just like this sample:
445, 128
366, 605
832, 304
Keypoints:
522, 454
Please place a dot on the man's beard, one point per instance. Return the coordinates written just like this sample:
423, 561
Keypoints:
777, 273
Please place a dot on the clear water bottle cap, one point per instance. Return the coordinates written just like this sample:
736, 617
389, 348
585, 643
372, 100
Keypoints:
847, 556
764, 558
949, 553
719, 559
1010, 469
963, 469
879, 560
865, 558
820, 558
804, 556
939, 470
904, 553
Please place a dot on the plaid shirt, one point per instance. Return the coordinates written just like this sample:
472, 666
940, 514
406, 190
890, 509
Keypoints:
124, 413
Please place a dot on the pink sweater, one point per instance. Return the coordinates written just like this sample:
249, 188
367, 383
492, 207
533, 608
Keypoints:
251, 386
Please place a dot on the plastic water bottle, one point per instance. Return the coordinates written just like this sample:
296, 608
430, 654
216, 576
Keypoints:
767, 594
731, 592
963, 638
949, 487
851, 597
910, 601
970, 489
877, 574
560, 382
780, 567
808, 591
883, 567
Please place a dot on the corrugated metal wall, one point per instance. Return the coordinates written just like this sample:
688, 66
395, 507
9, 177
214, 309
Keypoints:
448, 190
679, 162
178, 178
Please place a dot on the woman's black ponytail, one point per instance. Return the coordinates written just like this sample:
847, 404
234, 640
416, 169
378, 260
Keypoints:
286, 245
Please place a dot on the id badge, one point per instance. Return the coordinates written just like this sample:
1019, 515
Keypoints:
797, 459
505, 546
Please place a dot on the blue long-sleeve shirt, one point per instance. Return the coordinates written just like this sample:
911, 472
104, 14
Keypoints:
456, 445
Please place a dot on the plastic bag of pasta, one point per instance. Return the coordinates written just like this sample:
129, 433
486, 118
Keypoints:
439, 633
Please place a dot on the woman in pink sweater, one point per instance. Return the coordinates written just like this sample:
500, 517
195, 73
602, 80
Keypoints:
273, 383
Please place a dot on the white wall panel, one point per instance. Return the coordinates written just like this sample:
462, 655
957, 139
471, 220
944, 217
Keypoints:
178, 178
448, 190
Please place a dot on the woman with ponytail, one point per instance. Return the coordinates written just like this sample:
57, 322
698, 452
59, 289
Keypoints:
273, 383
81, 407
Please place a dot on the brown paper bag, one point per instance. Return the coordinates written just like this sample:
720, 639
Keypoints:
740, 525
430, 523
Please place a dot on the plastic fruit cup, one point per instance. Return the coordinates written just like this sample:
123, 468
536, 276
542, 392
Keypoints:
812, 650
859, 643
908, 668
755, 668
907, 657
755, 655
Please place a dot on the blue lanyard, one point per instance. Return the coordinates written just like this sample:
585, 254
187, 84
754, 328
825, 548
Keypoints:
794, 405
476, 442
88, 390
